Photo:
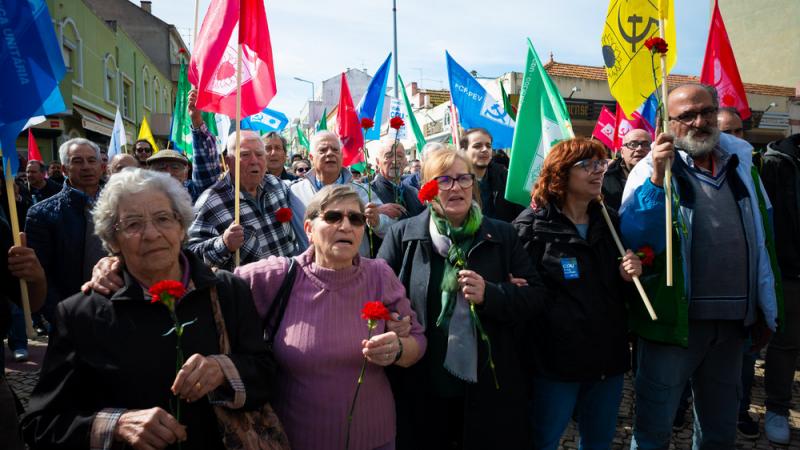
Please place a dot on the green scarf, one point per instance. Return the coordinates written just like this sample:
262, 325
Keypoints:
461, 239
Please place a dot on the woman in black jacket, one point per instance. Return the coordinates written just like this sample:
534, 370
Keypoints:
449, 399
578, 348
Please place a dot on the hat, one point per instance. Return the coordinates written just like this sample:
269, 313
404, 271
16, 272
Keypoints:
167, 155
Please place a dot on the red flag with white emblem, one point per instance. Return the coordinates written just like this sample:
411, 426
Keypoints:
212, 68
348, 127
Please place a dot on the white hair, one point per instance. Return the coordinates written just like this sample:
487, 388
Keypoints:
64, 149
429, 148
244, 136
132, 181
324, 134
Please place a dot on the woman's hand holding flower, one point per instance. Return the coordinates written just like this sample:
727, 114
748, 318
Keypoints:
472, 285
381, 349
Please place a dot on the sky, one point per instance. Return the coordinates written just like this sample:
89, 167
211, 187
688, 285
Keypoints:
316, 40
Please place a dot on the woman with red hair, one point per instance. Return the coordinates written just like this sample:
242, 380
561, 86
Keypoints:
579, 346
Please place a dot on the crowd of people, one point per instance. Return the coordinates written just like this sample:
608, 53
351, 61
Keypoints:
505, 322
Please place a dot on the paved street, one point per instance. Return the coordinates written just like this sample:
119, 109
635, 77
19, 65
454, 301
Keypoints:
22, 378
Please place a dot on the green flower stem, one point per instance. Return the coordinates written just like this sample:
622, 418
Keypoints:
371, 324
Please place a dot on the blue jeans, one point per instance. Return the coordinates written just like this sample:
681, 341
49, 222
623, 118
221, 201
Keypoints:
17, 339
596, 404
713, 362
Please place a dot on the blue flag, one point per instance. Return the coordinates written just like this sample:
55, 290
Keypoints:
476, 107
33, 67
266, 121
649, 109
371, 104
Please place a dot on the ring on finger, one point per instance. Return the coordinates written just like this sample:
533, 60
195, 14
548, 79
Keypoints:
198, 386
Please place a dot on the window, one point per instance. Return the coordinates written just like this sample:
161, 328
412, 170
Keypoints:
156, 94
127, 97
146, 87
72, 50
165, 99
111, 83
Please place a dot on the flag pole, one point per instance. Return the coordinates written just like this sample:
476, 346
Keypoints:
237, 169
396, 76
196, 21
668, 169
14, 219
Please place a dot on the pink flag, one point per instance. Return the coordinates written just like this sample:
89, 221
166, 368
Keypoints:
719, 67
604, 130
212, 69
33, 149
348, 127
623, 125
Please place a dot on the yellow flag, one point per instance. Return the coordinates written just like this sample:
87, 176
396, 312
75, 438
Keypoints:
145, 133
629, 64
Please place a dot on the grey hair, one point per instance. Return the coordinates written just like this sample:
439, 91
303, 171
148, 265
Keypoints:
328, 195
712, 91
64, 149
244, 136
274, 134
132, 181
324, 134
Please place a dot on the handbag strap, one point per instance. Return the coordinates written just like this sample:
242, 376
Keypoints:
219, 321
278, 307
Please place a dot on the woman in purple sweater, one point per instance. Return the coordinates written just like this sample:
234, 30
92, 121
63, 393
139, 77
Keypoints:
320, 343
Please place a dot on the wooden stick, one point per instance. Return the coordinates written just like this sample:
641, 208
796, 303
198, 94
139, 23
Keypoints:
238, 136
14, 219
668, 170
621, 249
196, 21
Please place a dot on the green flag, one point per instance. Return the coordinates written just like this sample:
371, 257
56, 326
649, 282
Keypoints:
507, 103
181, 133
323, 121
211, 122
542, 121
418, 136
301, 138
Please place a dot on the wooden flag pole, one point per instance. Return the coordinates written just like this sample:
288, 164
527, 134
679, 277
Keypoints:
196, 21
621, 249
237, 169
668, 170
14, 219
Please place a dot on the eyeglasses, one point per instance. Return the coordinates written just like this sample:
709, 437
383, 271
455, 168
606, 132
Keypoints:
688, 117
356, 219
301, 169
633, 145
135, 225
592, 165
143, 150
465, 180
168, 166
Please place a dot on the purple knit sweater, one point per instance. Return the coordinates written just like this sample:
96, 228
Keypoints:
318, 349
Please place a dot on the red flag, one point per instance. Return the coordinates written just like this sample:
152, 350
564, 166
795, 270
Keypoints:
213, 66
623, 125
719, 67
606, 125
348, 127
33, 149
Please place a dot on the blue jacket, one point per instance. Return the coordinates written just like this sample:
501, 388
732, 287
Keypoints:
642, 223
56, 230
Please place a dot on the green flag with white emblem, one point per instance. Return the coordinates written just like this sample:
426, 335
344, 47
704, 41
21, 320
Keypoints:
542, 121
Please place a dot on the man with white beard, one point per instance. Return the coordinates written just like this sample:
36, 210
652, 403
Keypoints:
723, 285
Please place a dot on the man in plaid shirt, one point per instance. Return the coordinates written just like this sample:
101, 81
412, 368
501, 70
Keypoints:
214, 236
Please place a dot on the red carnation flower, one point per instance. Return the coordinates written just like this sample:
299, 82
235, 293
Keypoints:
428, 191
283, 215
375, 311
656, 45
647, 255
367, 123
167, 292
396, 123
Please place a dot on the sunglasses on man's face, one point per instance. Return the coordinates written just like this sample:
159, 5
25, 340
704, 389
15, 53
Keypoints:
356, 219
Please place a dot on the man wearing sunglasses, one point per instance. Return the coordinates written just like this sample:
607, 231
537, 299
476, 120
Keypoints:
723, 284
635, 146
141, 151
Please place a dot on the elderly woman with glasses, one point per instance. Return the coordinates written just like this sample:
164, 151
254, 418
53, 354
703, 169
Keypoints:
456, 398
320, 342
109, 374
579, 347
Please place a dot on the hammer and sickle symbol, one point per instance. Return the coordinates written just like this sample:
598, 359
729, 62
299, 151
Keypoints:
498, 115
634, 38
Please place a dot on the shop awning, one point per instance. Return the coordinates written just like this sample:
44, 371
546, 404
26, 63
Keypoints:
95, 122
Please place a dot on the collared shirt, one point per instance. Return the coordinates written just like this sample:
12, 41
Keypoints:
205, 162
263, 235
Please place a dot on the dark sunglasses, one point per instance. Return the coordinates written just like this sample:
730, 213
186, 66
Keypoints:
301, 169
356, 219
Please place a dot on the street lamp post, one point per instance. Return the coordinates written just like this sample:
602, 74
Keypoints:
309, 82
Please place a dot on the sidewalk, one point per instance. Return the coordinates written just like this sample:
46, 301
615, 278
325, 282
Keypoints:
22, 378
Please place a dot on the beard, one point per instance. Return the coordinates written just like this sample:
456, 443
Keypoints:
698, 147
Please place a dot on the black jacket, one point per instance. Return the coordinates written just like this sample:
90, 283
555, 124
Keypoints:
583, 334
111, 353
498, 207
492, 418
614, 184
780, 173
385, 191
